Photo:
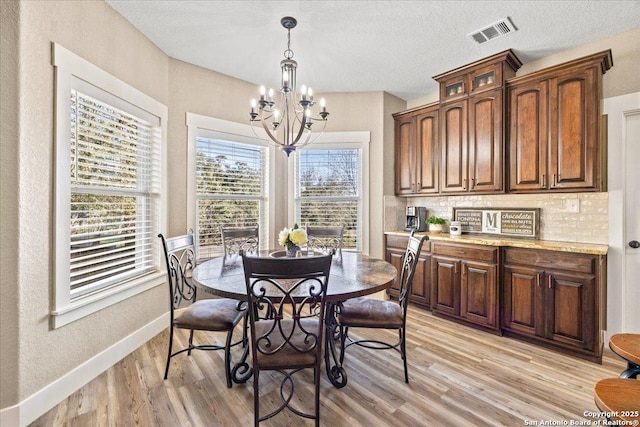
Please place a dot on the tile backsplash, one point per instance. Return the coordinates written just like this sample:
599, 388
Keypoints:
570, 217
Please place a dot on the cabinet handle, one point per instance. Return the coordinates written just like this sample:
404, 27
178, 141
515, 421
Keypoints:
554, 180
455, 267
550, 281
413, 187
544, 180
464, 184
538, 279
473, 183
418, 187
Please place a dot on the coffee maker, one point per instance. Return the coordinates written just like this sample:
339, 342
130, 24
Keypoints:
416, 218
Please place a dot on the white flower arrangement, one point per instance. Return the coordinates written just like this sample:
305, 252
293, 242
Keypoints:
292, 236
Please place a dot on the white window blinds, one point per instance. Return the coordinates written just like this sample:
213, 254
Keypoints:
328, 184
231, 190
115, 194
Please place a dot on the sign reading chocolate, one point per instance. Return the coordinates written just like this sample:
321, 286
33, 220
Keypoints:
516, 222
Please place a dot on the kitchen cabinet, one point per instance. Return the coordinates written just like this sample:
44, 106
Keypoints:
555, 299
554, 128
395, 249
464, 283
416, 148
471, 125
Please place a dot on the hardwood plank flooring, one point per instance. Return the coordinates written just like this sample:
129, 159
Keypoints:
458, 377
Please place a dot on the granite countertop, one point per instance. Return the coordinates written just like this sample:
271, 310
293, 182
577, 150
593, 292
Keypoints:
552, 245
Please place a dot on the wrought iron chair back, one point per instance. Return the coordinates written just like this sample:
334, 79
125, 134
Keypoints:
238, 240
325, 239
180, 260
409, 264
283, 296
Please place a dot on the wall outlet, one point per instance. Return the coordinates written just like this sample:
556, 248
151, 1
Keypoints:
572, 205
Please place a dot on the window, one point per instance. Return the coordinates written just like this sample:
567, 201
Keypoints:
109, 144
231, 181
329, 186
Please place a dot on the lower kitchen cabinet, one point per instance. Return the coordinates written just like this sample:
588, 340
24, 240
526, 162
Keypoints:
550, 298
554, 298
420, 293
464, 283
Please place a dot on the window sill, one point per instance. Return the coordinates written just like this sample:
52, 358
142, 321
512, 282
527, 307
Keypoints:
89, 304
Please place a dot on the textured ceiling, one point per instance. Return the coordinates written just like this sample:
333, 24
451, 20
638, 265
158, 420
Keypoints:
354, 46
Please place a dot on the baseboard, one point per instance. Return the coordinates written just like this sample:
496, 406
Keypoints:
40, 402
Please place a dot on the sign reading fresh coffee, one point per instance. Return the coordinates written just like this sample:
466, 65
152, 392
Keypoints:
505, 222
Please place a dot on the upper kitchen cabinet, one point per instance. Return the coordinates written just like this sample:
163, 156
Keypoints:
554, 128
416, 151
472, 125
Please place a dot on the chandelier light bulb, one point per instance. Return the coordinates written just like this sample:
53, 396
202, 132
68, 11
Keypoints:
253, 104
270, 94
310, 92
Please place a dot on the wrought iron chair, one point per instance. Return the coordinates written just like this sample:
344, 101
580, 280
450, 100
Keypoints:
373, 313
236, 240
325, 239
217, 315
284, 337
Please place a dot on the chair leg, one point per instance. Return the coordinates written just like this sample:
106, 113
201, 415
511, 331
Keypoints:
227, 358
344, 331
256, 398
403, 352
190, 342
166, 369
316, 378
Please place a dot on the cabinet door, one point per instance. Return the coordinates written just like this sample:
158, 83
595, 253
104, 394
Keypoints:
478, 293
523, 300
571, 317
573, 130
485, 142
421, 286
395, 257
427, 152
453, 137
528, 139
405, 155
445, 285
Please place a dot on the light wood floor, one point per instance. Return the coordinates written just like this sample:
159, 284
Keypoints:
458, 377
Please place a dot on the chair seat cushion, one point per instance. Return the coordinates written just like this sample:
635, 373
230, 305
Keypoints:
209, 315
301, 349
371, 313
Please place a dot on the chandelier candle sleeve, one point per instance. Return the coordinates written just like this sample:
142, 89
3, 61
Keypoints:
288, 121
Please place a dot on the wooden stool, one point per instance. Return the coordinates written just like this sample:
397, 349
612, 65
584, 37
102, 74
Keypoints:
627, 346
619, 398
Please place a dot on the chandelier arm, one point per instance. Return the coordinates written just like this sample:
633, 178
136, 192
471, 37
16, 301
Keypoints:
301, 128
266, 129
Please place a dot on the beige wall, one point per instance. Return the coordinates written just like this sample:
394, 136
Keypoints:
9, 184
94, 31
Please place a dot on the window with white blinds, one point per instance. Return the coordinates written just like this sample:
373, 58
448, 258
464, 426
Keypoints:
110, 140
115, 192
329, 190
230, 190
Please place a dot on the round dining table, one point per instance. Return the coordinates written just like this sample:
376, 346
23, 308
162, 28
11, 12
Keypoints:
351, 276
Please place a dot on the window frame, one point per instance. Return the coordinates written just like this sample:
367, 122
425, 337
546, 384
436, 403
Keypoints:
210, 127
359, 140
70, 69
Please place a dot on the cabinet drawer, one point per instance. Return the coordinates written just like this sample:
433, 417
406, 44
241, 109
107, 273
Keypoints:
579, 263
400, 242
477, 253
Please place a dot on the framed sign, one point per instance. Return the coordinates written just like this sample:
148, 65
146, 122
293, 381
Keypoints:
512, 222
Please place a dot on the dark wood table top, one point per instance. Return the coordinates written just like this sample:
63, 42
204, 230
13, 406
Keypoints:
353, 276
626, 346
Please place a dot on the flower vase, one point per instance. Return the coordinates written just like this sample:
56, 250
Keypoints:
292, 250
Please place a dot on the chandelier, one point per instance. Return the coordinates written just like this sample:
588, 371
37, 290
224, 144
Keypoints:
288, 121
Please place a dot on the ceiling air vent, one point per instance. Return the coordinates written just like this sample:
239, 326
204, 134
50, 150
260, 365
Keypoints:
497, 29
